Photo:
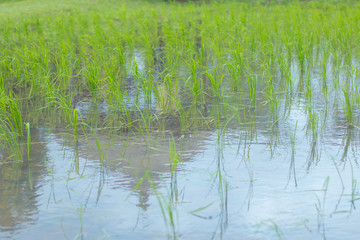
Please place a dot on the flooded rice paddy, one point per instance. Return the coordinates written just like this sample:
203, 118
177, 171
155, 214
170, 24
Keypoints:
167, 129
225, 186
245, 182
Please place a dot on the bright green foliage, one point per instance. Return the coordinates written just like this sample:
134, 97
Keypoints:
149, 65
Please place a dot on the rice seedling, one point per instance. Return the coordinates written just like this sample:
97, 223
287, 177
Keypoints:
28, 136
166, 92
348, 104
145, 82
174, 155
168, 209
64, 104
11, 125
323, 72
272, 98
92, 75
195, 83
99, 150
145, 122
10, 111
28, 143
285, 70
10, 140
313, 123
292, 138
235, 70
252, 82
75, 125
216, 84
292, 161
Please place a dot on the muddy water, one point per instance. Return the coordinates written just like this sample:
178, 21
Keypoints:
243, 183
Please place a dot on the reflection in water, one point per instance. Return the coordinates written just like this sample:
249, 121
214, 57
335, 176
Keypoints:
222, 187
348, 138
18, 202
19, 188
218, 181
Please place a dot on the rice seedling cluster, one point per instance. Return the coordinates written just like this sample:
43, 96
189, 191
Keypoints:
160, 63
